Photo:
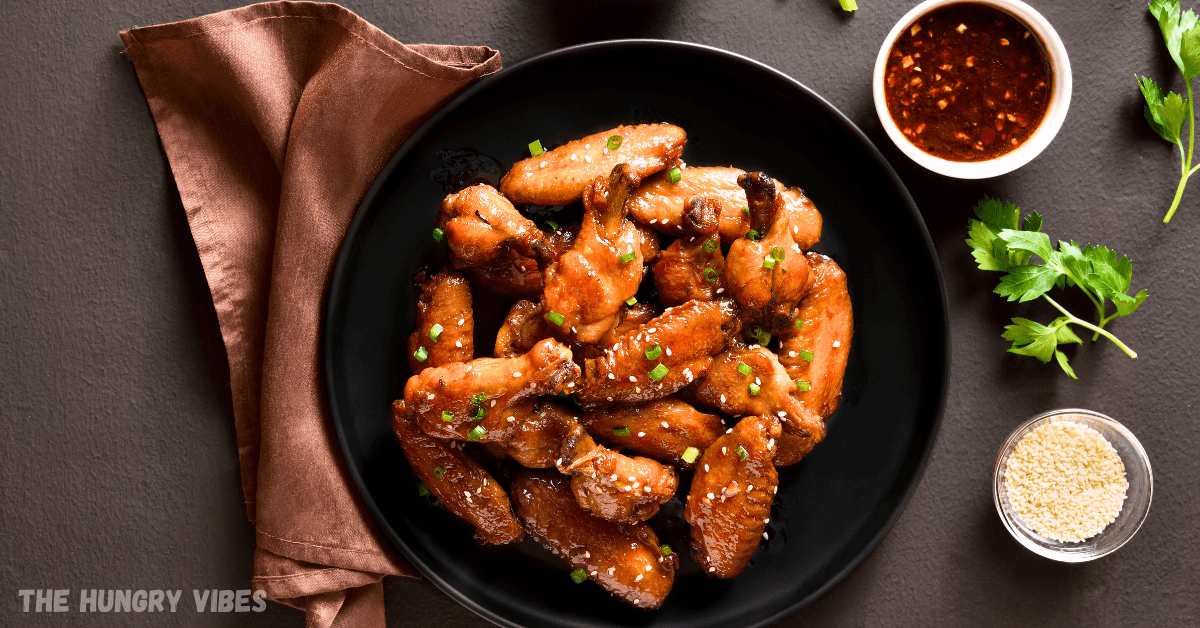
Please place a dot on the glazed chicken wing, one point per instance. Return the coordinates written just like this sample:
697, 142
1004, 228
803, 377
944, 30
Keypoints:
523, 328
614, 486
691, 268
559, 176
680, 341
749, 381
625, 559
662, 429
485, 399
480, 224
510, 274
731, 496
805, 220
537, 443
445, 302
588, 285
766, 276
815, 353
452, 476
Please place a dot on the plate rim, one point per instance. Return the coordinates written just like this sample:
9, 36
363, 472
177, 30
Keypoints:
337, 277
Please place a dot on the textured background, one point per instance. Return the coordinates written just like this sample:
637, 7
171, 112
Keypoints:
119, 465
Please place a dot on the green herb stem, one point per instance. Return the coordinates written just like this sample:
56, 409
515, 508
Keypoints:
1187, 166
1082, 323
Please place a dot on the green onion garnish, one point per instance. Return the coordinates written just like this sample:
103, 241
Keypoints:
746, 211
438, 472
806, 355
710, 274
659, 372
553, 225
438, 234
742, 453
754, 388
477, 414
653, 352
777, 253
620, 431
422, 490
673, 175
752, 234
476, 432
421, 354
435, 332
614, 142
535, 148
802, 385
478, 398
628, 257
710, 246
579, 575
799, 324
556, 318
447, 417
665, 549
760, 335
689, 455
768, 263
744, 368
631, 301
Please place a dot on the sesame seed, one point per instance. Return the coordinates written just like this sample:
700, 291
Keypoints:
706, 468
720, 290
614, 477
647, 488
764, 536
512, 419
632, 379
651, 330
711, 496
458, 343
648, 567
587, 555
837, 343
782, 413
594, 572
653, 221
722, 398
791, 354
558, 463
611, 376
493, 403
711, 569
626, 489
641, 434
664, 424
430, 396
516, 373
461, 321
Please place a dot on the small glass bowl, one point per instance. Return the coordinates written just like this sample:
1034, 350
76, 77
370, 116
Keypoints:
1133, 511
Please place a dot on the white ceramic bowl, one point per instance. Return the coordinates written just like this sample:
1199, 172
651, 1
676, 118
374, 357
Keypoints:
1060, 98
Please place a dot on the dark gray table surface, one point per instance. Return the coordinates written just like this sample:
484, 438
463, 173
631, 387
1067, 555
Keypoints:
119, 465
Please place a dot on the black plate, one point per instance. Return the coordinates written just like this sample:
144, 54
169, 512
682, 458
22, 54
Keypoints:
835, 506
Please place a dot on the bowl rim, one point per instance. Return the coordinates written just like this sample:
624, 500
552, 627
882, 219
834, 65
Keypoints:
1056, 111
1010, 443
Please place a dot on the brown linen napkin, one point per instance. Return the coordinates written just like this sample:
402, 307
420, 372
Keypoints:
275, 119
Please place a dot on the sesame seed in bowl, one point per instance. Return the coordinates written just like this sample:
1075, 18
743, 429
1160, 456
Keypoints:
1072, 485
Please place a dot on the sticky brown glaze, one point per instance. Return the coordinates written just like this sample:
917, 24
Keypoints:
480, 224
687, 335
510, 274
767, 295
624, 559
559, 176
804, 220
687, 270
731, 496
523, 328
662, 204
827, 321
464, 487
589, 284
508, 385
662, 429
445, 300
611, 485
726, 388
538, 439
631, 319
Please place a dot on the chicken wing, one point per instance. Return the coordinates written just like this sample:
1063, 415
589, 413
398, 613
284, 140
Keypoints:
480, 224
559, 176
750, 381
538, 441
485, 399
614, 486
691, 268
731, 496
523, 328
586, 287
445, 301
680, 341
767, 276
805, 220
624, 559
510, 274
452, 476
815, 350
662, 429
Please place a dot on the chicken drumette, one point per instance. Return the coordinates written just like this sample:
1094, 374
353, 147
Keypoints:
445, 329
692, 267
815, 350
537, 443
614, 486
663, 429
480, 224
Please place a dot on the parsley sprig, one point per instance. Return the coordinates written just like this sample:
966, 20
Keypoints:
1001, 241
1166, 112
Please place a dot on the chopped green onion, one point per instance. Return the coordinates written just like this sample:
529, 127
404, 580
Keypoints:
438, 234
476, 432
553, 225
752, 234
754, 388
799, 323
421, 354
848, 5
745, 211
802, 385
620, 431
673, 175
760, 335
477, 414
628, 257
806, 355
422, 490
478, 398
653, 352
744, 368
777, 253
710, 274
768, 263
438, 472
447, 417
689, 455
614, 142
665, 549
556, 318
710, 246
579, 575
631, 301
742, 453
535, 148
435, 332
659, 372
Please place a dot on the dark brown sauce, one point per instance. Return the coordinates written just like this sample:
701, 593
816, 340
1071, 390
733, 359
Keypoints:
968, 82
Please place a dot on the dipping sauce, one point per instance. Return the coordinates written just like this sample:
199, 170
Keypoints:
968, 82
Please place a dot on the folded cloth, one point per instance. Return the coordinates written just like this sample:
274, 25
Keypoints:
275, 119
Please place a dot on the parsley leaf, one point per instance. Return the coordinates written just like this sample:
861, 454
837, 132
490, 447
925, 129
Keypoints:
1166, 113
989, 250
